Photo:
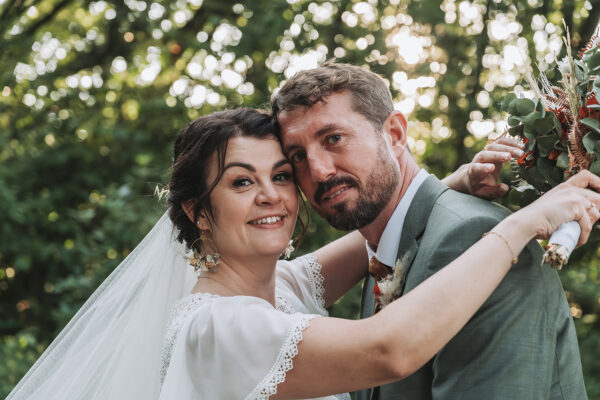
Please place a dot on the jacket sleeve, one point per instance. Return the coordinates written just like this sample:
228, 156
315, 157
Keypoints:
510, 347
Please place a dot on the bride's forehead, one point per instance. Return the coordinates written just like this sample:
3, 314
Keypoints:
248, 148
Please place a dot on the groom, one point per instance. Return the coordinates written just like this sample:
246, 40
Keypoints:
349, 149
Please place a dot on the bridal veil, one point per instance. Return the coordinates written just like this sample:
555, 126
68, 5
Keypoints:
111, 348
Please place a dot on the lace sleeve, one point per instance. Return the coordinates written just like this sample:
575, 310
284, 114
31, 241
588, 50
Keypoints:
268, 386
315, 278
304, 278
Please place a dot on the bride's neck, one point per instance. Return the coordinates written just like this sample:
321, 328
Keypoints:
235, 277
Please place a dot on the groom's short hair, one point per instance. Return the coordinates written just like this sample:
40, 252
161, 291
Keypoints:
371, 96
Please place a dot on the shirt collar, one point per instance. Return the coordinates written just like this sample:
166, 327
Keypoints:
387, 250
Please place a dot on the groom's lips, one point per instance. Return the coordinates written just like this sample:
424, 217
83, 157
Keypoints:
334, 194
333, 189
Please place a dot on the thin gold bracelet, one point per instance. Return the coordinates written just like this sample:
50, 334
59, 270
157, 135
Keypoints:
515, 259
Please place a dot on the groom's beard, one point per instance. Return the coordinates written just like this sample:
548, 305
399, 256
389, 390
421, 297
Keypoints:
371, 199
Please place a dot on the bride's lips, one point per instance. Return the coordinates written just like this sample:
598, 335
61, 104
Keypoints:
273, 221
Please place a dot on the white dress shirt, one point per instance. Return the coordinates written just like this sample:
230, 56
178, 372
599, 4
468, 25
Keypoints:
387, 250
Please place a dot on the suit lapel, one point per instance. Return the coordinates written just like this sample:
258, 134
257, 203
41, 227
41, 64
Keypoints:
416, 221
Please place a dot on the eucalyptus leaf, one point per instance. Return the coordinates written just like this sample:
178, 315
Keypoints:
531, 118
595, 167
533, 177
551, 174
513, 121
516, 130
593, 63
591, 123
590, 140
544, 125
539, 106
563, 160
521, 107
507, 100
545, 144
523, 195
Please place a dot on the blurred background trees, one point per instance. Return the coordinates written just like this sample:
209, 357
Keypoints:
93, 92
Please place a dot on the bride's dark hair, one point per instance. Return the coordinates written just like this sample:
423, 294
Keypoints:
193, 150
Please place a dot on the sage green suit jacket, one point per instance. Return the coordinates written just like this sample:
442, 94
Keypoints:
520, 345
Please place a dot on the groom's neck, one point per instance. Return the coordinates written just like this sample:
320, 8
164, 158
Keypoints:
408, 170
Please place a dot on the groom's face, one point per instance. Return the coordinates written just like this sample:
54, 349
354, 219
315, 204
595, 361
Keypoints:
342, 163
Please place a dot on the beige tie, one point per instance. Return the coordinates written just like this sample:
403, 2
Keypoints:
378, 269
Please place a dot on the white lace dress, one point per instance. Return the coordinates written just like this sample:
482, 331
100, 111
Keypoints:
240, 348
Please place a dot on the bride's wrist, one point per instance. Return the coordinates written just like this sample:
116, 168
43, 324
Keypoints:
516, 232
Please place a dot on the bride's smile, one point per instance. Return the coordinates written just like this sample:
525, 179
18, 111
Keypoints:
255, 202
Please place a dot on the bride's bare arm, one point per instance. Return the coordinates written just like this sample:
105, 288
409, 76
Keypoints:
341, 355
345, 262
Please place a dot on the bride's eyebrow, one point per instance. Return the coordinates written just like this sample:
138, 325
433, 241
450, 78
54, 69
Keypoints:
240, 164
251, 168
281, 163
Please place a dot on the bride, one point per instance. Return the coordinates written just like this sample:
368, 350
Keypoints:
249, 326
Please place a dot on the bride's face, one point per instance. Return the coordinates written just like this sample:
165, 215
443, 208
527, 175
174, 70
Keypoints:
255, 203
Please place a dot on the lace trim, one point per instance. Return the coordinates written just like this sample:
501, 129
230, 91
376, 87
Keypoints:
268, 386
180, 311
316, 278
282, 305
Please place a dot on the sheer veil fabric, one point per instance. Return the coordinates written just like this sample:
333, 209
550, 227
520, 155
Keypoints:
111, 349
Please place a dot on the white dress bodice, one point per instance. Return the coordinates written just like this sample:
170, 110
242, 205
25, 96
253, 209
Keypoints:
240, 347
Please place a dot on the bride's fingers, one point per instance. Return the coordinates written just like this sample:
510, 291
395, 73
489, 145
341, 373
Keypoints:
584, 179
586, 224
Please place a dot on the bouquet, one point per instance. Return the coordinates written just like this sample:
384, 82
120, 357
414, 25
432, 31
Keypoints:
560, 127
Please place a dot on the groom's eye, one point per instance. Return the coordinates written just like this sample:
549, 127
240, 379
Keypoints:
332, 139
297, 157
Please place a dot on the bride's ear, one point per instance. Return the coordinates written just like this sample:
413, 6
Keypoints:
201, 221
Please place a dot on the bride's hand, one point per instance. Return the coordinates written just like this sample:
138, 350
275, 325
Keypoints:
572, 200
480, 176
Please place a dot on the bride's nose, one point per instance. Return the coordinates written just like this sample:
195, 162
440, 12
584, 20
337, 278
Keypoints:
268, 194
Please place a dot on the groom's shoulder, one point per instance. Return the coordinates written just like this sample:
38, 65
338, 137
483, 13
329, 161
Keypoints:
455, 206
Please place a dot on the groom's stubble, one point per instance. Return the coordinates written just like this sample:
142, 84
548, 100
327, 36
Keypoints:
373, 194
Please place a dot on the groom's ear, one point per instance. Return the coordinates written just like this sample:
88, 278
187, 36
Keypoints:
200, 221
395, 128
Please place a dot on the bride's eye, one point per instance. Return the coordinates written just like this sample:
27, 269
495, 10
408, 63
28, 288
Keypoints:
241, 182
282, 177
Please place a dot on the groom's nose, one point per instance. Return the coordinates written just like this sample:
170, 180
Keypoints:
321, 165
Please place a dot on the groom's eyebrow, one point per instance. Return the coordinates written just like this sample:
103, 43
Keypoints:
323, 131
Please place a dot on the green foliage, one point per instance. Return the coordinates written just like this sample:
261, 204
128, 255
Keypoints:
93, 92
